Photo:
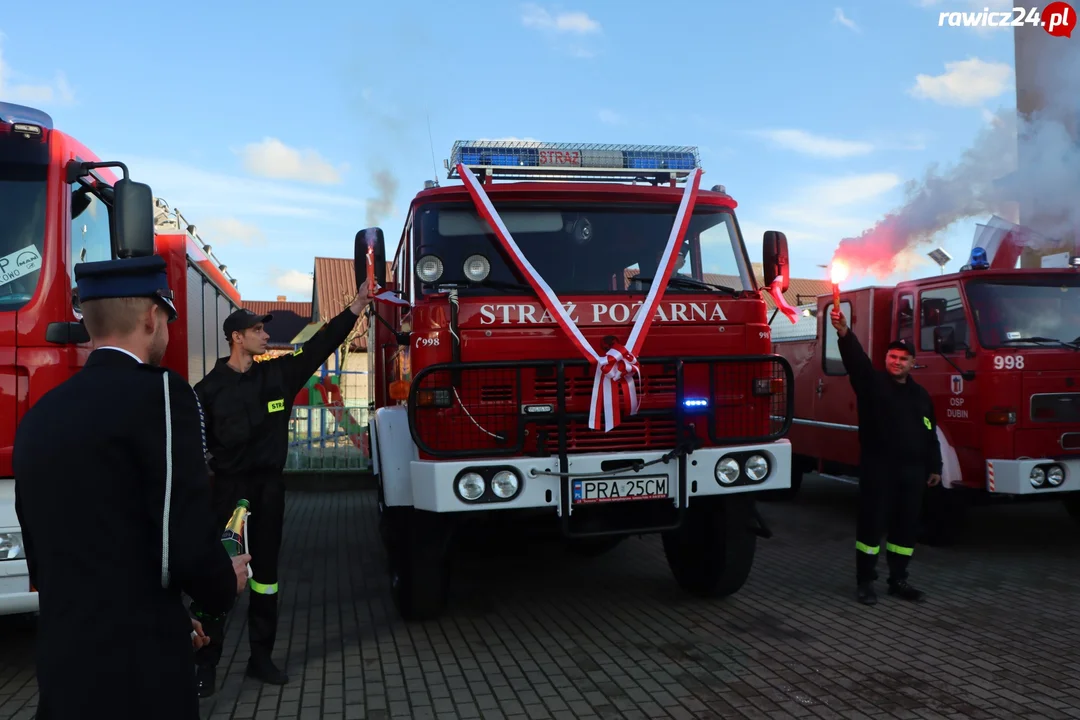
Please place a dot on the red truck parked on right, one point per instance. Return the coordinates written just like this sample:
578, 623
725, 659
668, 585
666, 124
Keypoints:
998, 348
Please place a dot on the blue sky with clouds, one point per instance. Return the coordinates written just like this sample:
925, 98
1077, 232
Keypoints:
279, 132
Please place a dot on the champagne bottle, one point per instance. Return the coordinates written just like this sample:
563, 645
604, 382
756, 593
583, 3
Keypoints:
233, 537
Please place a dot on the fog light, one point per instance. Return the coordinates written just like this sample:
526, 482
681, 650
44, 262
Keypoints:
1056, 476
757, 468
429, 269
727, 471
1038, 477
476, 267
471, 486
504, 484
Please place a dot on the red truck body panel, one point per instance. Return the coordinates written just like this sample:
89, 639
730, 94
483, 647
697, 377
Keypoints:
1009, 379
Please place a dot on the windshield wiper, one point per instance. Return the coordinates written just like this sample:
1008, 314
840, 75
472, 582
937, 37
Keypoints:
692, 282
1042, 340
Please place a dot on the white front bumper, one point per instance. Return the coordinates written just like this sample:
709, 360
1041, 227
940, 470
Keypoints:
15, 595
433, 481
1013, 477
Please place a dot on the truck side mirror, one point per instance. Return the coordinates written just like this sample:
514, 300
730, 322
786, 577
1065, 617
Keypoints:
944, 340
132, 219
775, 259
370, 239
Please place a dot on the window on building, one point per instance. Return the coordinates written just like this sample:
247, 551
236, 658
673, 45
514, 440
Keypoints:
831, 362
942, 307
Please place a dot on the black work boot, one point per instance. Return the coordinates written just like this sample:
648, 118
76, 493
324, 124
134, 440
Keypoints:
902, 590
866, 594
263, 668
206, 678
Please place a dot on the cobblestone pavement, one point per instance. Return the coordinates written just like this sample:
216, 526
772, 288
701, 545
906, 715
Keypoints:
563, 636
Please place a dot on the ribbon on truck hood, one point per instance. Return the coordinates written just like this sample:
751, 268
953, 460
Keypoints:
781, 301
617, 370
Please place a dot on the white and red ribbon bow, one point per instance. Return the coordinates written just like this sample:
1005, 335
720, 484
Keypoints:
781, 301
617, 368
375, 291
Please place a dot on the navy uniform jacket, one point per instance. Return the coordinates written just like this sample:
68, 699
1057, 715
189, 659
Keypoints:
90, 473
897, 426
247, 414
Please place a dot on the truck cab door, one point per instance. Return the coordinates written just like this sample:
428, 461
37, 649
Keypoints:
835, 411
942, 313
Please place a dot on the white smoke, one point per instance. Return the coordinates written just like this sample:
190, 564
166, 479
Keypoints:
987, 179
380, 206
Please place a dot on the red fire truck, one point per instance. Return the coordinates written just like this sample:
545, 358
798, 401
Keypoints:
997, 347
60, 206
504, 380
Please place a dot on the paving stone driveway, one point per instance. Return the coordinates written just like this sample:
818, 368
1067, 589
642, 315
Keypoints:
613, 637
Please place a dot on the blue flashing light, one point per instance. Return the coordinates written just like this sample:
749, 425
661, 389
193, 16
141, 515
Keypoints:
696, 402
568, 158
11, 113
978, 260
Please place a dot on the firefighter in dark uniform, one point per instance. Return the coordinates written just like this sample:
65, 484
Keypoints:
113, 496
900, 456
248, 405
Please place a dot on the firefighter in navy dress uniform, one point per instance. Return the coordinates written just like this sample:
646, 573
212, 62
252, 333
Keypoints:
113, 496
247, 407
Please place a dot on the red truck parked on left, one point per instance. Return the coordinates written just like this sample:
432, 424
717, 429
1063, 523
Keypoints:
59, 206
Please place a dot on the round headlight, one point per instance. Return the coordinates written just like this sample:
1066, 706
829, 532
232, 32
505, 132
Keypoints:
504, 484
429, 268
476, 267
757, 467
1056, 476
471, 486
1038, 477
727, 471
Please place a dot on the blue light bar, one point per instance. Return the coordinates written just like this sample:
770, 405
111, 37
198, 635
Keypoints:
12, 113
532, 159
696, 402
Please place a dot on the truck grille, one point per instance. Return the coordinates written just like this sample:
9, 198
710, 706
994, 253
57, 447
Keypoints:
527, 408
1055, 408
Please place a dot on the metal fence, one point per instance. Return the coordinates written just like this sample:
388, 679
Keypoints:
326, 438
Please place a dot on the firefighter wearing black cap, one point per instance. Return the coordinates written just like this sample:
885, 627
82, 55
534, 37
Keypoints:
117, 525
248, 405
900, 456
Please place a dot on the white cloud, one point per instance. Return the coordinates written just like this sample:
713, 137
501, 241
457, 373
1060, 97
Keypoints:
610, 117
820, 214
578, 23
840, 17
18, 88
965, 83
226, 230
816, 145
273, 159
295, 282
200, 193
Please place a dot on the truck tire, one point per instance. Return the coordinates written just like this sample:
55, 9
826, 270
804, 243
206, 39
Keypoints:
944, 516
712, 553
418, 561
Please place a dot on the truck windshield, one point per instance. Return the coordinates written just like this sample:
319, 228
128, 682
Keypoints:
1010, 312
23, 175
584, 248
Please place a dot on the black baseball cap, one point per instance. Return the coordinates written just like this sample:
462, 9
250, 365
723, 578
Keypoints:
243, 319
901, 344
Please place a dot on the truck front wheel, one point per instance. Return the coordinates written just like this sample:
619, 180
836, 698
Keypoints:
418, 559
712, 553
1072, 506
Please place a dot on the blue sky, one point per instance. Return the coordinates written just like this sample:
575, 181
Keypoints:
267, 126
